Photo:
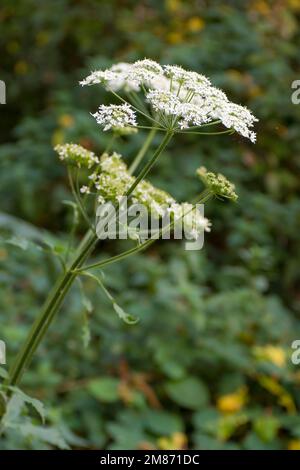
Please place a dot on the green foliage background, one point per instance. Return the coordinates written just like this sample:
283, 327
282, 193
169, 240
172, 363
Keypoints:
204, 315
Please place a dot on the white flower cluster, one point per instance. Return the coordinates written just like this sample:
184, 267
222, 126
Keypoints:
125, 76
189, 79
185, 95
114, 180
76, 155
115, 116
165, 101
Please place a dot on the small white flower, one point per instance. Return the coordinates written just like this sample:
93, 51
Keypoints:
115, 116
193, 114
99, 76
85, 190
93, 176
165, 101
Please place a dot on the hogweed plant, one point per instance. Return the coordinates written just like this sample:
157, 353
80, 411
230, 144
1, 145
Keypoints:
160, 99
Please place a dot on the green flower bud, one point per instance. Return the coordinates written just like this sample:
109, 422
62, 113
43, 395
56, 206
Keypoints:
217, 184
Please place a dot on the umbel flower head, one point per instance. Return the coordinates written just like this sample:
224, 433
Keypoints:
76, 155
115, 116
217, 184
178, 99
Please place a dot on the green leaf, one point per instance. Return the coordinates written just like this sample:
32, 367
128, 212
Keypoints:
206, 420
189, 393
85, 331
227, 425
36, 404
104, 389
204, 442
48, 435
266, 427
126, 317
253, 442
3, 373
87, 304
19, 242
162, 422
13, 410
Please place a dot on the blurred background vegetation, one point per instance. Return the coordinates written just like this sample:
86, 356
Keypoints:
209, 364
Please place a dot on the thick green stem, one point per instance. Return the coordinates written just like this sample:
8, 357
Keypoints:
62, 286
43, 321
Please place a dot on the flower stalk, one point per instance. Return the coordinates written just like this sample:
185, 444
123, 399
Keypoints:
64, 283
175, 101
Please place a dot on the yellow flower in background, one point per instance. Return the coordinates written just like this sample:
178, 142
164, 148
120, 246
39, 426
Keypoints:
274, 354
173, 5
66, 120
294, 444
261, 7
235, 75
57, 137
21, 67
13, 47
176, 441
255, 90
232, 402
195, 23
42, 38
175, 38
3, 254
294, 4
